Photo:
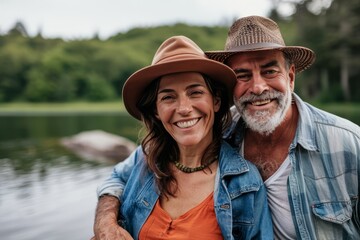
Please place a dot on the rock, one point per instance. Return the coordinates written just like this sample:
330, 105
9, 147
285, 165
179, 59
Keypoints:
99, 145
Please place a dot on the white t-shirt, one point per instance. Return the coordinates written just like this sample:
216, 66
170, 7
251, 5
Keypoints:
276, 187
278, 200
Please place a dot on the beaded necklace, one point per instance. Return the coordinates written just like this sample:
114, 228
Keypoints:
186, 169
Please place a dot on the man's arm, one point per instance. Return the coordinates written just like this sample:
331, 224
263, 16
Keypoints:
105, 226
114, 185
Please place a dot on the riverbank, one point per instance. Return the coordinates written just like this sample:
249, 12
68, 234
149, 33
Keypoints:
24, 108
346, 110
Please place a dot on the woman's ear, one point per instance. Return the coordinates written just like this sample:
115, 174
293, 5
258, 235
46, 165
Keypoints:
217, 104
156, 114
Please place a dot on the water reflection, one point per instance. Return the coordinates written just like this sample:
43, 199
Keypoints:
47, 192
50, 126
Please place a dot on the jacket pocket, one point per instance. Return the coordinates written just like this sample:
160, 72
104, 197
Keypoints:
243, 209
335, 212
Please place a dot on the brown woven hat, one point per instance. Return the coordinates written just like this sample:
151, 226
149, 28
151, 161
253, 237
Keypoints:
176, 54
255, 33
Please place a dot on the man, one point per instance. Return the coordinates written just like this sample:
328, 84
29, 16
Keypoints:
308, 158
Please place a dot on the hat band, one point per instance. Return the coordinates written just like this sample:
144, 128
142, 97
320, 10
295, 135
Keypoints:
255, 46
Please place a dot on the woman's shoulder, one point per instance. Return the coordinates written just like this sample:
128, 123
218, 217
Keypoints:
232, 163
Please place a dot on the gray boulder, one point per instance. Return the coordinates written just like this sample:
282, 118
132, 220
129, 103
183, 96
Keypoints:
99, 145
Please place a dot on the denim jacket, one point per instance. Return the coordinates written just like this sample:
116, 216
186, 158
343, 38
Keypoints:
239, 195
323, 186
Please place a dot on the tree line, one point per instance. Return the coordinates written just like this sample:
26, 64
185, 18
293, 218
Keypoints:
37, 69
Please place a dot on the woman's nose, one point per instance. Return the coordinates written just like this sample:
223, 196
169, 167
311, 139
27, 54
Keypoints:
184, 106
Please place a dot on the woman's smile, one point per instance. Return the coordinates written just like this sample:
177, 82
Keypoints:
187, 123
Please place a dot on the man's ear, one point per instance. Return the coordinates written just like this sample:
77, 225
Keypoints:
292, 77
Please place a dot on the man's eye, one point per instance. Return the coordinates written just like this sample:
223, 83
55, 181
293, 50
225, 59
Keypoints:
270, 72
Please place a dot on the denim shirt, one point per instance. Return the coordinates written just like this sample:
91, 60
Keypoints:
240, 201
323, 186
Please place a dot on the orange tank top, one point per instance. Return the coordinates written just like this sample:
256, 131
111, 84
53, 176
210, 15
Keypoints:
198, 223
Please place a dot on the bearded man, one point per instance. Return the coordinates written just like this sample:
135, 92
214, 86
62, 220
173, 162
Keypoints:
309, 159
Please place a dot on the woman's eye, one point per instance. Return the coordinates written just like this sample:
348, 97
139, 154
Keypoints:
243, 77
196, 93
164, 98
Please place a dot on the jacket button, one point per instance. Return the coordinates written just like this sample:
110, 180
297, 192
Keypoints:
145, 203
225, 206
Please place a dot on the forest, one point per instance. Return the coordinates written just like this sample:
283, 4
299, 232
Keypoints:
38, 69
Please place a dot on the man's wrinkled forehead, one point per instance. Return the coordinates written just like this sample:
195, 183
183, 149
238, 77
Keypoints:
261, 58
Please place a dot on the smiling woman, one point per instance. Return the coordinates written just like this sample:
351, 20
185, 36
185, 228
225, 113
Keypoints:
183, 100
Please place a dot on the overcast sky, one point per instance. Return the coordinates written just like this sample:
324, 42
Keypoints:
74, 19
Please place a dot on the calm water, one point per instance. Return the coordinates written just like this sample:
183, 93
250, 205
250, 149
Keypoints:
46, 192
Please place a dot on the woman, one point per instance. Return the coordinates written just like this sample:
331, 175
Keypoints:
187, 183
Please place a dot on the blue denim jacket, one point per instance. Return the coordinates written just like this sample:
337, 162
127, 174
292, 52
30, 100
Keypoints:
239, 196
323, 186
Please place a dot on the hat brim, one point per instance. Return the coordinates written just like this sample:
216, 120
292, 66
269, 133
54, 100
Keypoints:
302, 57
136, 84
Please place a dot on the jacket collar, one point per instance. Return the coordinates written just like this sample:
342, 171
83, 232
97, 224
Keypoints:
230, 161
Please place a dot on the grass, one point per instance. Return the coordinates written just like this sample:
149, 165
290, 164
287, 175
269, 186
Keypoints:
24, 108
19, 108
340, 108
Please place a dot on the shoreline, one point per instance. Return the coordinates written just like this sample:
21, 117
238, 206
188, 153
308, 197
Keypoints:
117, 107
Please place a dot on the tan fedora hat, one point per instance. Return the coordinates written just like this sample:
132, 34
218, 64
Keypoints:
255, 33
176, 54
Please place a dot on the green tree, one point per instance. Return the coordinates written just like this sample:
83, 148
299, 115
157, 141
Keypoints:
57, 70
97, 89
330, 28
38, 89
16, 59
342, 24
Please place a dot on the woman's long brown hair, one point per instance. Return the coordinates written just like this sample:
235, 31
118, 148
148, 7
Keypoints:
160, 148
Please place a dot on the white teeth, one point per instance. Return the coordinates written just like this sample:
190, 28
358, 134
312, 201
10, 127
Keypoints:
187, 123
257, 103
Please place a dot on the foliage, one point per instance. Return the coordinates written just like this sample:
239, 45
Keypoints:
331, 29
54, 70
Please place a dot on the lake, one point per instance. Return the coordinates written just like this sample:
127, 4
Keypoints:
47, 192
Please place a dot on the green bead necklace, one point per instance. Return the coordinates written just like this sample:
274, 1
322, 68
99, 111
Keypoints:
186, 169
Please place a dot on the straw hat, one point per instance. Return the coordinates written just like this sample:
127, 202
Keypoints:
255, 33
176, 54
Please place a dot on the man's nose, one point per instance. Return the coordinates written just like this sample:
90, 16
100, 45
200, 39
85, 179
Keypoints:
259, 85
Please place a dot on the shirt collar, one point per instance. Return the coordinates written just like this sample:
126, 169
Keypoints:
305, 132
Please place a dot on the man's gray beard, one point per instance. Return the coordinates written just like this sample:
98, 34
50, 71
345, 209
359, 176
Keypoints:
262, 121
